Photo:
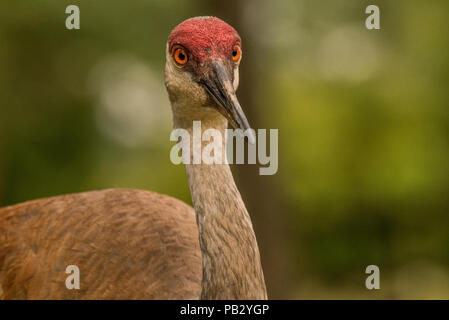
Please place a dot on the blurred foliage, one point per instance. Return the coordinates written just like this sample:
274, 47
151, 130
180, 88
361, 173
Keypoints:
363, 124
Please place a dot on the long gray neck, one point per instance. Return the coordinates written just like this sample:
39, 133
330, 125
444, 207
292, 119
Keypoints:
230, 255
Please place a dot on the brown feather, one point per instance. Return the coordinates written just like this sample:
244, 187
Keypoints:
128, 244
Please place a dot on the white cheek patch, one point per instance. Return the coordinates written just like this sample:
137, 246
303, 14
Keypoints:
236, 78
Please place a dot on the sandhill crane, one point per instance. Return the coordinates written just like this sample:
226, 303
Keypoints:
133, 244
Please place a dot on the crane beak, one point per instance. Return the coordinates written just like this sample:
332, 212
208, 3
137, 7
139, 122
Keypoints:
218, 84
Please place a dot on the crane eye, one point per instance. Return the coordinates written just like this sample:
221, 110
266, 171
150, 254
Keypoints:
180, 56
236, 53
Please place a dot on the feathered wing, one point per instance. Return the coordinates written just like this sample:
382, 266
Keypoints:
127, 244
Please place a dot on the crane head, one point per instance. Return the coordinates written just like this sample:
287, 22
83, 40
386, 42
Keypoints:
202, 69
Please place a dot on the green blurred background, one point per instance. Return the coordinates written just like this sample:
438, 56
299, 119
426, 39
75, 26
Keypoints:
363, 120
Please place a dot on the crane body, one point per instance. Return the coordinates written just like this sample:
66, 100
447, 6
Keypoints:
134, 244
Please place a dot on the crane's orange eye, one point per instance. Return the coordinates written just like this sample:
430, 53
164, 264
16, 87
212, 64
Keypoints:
236, 53
180, 56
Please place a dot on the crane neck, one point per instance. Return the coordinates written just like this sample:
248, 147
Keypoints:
230, 255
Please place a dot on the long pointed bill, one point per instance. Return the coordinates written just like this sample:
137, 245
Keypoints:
219, 85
